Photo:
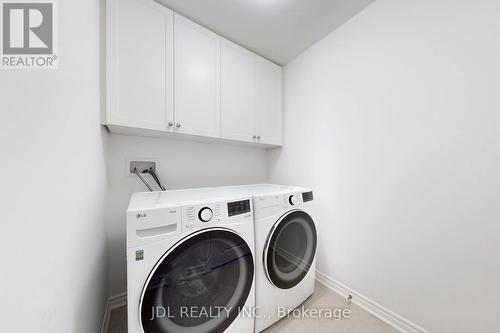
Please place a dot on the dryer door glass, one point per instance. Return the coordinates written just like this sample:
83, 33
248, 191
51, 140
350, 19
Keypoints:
200, 285
290, 250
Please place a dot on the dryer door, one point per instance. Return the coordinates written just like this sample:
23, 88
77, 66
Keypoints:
199, 285
290, 249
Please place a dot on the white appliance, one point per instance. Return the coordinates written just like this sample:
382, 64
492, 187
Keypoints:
190, 262
285, 245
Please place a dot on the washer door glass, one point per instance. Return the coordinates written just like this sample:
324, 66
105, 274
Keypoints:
290, 249
199, 286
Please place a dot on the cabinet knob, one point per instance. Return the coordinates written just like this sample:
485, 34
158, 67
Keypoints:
255, 136
178, 125
170, 124
258, 138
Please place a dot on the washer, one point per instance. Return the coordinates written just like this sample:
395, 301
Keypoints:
285, 245
190, 262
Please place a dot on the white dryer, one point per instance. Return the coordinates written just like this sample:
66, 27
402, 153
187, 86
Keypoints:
190, 262
285, 245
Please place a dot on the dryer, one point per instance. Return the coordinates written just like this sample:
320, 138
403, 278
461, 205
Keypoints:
285, 245
190, 262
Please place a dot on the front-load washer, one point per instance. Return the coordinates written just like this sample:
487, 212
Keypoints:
285, 249
190, 262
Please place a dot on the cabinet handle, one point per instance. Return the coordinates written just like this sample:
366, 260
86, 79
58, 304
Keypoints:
170, 124
178, 125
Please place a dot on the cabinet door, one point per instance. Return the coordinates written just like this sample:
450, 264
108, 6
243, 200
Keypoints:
197, 79
139, 64
268, 102
237, 92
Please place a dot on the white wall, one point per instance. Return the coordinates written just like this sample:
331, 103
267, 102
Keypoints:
394, 119
52, 174
182, 164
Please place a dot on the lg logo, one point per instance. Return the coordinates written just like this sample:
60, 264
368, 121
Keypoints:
28, 31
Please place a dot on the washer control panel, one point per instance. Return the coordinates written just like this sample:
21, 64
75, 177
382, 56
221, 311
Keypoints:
196, 216
212, 214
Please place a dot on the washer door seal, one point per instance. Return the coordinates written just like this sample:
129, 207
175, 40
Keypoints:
290, 249
199, 286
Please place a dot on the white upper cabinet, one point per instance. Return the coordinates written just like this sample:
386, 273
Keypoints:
140, 64
237, 92
197, 79
268, 102
166, 75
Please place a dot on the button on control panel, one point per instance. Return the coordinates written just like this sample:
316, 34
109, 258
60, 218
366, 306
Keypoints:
201, 215
190, 218
205, 214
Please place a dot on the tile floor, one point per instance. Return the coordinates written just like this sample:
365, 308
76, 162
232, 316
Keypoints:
359, 322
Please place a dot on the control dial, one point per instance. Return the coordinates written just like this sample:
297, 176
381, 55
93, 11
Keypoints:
205, 214
292, 199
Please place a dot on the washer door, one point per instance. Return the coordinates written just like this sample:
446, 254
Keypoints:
290, 249
200, 285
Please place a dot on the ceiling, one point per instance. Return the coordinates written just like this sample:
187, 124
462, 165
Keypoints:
277, 29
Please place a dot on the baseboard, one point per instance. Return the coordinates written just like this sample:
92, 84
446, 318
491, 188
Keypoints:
391, 318
113, 303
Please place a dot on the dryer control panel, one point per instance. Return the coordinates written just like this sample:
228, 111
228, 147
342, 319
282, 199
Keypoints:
269, 205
